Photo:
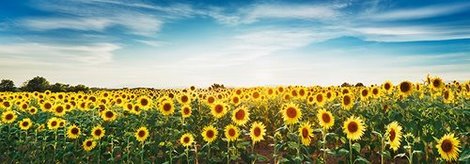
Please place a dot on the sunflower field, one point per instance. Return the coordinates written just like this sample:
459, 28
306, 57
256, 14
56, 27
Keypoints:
425, 122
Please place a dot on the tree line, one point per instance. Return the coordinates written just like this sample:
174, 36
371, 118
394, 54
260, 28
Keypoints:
40, 84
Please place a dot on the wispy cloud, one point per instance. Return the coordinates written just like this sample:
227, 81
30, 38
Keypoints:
153, 43
419, 12
57, 54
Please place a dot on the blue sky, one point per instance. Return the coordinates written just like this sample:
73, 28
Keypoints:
137, 43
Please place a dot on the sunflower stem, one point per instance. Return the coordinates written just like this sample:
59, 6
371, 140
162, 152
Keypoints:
142, 153
228, 152
350, 152
324, 145
187, 155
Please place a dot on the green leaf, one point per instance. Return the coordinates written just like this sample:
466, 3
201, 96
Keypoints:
401, 155
357, 147
343, 152
360, 159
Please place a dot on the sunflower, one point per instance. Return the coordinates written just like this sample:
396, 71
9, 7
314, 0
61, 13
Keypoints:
235, 100
306, 133
187, 139
141, 134
448, 96
365, 94
53, 123
320, 99
347, 102
240, 116
186, 111
257, 131
325, 118
231, 132
405, 88
108, 115
219, 109
394, 135
73, 132
98, 132
59, 110
25, 124
387, 86
291, 113
89, 144
8, 117
448, 147
46, 106
184, 99
436, 84
209, 133
354, 128
167, 107
144, 102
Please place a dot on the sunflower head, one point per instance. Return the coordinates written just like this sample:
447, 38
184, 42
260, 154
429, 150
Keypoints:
25, 124
306, 133
53, 123
241, 115
73, 132
141, 134
231, 132
325, 118
394, 135
108, 115
291, 113
184, 99
257, 131
98, 132
387, 86
186, 111
436, 84
219, 109
405, 88
209, 133
354, 128
144, 102
187, 139
8, 117
167, 107
89, 144
347, 102
448, 147
320, 99
59, 110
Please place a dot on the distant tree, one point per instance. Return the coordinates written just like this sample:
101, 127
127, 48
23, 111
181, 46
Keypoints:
7, 86
59, 87
359, 85
216, 86
79, 88
345, 84
38, 83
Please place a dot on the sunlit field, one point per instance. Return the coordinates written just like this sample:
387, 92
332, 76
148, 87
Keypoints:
415, 122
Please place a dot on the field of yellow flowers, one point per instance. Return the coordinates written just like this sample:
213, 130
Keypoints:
425, 122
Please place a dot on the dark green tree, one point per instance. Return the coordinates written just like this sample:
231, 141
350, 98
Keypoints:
7, 86
38, 83
59, 87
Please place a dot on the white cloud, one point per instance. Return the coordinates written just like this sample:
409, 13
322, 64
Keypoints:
57, 54
411, 33
418, 13
153, 43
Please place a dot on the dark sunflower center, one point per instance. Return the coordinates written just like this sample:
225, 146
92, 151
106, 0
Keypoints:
436, 83
210, 134
98, 132
9, 116
257, 131
235, 100
141, 133
392, 135
210, 99
347, 100
365, 92
231, 132
184, 99
109, 114
59, 109
26, 123
446, 146
186, 111
88, 143
240, 115
167, 107
47, 106
54, 123
144, 102
186, 139
326, 117
74, 130
219, 108
256, 95
375, 91
291, 112
387, 86
405, 87
319, 98
446, 95
352, 127
304, 132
